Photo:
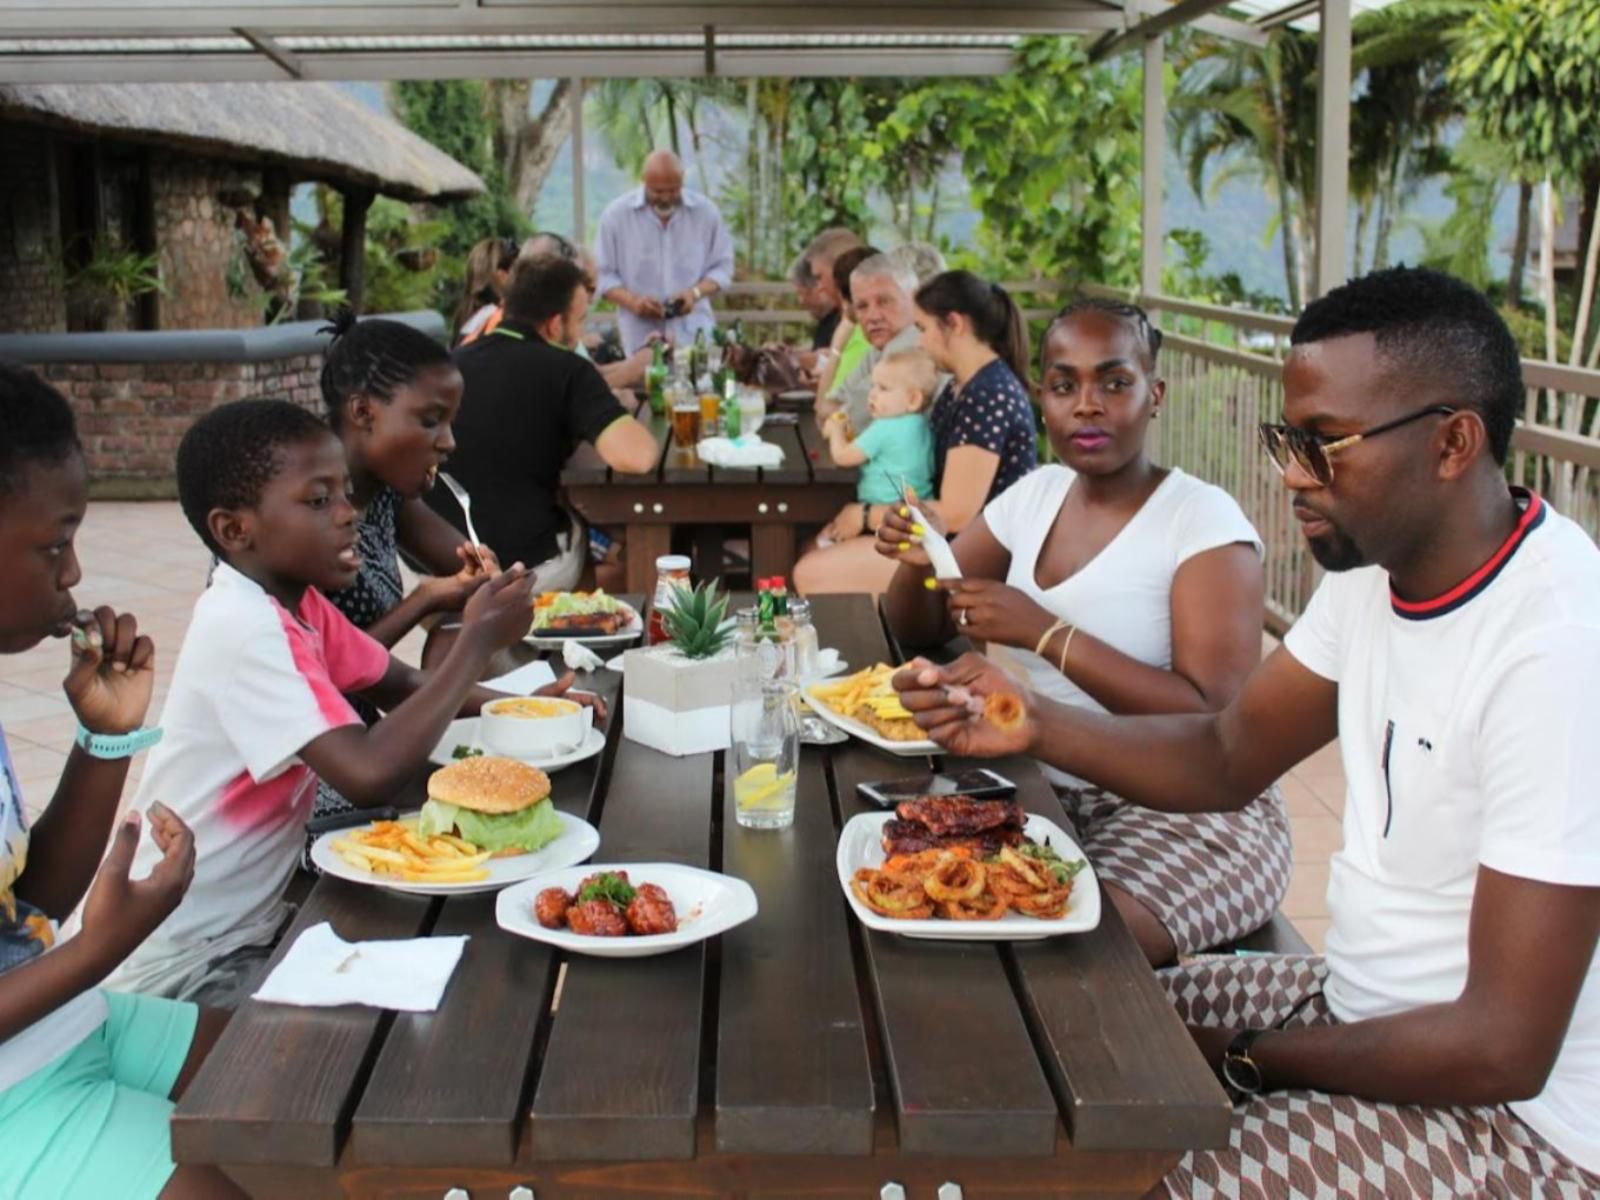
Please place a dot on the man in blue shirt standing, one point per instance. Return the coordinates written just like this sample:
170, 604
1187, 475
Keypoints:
664, 251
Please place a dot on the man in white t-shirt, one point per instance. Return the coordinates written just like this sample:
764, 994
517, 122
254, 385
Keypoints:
1449, 1043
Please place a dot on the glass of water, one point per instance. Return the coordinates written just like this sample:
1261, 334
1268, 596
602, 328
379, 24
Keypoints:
765, 754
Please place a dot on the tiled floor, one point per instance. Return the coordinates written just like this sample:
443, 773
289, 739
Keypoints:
144, 559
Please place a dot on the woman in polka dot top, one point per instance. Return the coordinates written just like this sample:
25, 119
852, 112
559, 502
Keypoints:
983, 422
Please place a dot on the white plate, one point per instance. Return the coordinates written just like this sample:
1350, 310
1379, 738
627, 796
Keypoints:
707, 904
870, 735
578, 840
861, 845
627, 633
464, 732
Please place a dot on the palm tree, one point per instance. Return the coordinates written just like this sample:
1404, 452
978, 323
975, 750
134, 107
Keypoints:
1245, 110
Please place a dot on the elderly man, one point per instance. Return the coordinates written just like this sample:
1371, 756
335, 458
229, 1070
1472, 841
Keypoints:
812, 277
664, 251
880, 294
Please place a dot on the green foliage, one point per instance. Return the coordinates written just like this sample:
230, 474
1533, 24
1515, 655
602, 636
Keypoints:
406, 269
695, 622
1529, 71
112, 272
454, 114
1051, 152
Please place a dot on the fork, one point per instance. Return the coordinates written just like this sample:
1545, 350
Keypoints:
465, 501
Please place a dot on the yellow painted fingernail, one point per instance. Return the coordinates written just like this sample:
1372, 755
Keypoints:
931, 583
904, 511
905, 545
918, 530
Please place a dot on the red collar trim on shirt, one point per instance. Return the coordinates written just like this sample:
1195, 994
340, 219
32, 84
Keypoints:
1533, 513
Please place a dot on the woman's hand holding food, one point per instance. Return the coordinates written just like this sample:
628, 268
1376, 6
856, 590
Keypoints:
970, 707
991, 611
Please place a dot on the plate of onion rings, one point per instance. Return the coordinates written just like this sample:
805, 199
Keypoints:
1040, 888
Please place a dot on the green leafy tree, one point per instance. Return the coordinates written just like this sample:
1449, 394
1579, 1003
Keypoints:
1245, 112
1529, 73
1051, 154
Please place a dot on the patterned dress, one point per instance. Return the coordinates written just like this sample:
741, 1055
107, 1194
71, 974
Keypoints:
992, 411
376, 591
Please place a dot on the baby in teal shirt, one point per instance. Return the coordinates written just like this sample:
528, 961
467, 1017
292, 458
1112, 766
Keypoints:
896, 449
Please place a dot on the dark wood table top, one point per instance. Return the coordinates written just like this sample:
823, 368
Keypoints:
806, 459
798, 1055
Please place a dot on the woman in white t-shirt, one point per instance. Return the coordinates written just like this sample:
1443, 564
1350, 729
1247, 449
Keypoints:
1128, 588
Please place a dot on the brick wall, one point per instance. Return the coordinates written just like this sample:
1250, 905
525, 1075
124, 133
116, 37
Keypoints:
208, 283
32, 292
131, 416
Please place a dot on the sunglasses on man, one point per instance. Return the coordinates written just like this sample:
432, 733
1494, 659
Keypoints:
1313, 453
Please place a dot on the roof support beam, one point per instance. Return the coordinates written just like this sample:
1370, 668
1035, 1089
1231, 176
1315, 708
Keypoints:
580, 232
287, 60
1333, 145
1184, 12
1152, 184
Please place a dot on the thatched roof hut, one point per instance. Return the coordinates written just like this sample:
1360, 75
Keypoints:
314, 130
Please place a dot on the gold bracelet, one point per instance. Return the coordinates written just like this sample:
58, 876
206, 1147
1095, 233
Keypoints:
1048, 634
1065, 646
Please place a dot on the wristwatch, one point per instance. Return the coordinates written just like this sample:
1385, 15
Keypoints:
696, 293
117, 745
1241, 1072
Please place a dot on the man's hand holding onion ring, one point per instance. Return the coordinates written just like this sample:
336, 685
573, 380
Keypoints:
970, 707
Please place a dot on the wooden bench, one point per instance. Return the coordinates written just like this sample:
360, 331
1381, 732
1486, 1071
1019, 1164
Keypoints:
1277, 936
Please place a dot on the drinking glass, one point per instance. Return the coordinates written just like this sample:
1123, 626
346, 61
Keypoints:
765, 755
752, 409
686, 421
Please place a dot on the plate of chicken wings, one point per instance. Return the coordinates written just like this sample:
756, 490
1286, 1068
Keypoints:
625, 910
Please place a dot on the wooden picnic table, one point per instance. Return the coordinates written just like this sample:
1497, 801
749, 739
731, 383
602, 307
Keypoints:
799, 1055
808, 488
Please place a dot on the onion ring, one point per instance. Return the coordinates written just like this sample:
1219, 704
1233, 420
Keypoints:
987, 907
886, 895
1004, 711
955, 879
1053, 902
1025, 869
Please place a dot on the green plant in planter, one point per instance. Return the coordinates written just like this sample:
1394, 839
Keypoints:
112, 276
696, 622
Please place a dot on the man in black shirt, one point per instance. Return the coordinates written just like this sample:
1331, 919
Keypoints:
529, 400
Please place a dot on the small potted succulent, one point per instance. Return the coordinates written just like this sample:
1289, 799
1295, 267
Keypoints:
679, 691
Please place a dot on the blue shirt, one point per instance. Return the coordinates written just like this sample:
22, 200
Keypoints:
896, 448
636, 251
992, 411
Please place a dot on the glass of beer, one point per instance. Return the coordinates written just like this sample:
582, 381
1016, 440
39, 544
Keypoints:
710, 414
686, 422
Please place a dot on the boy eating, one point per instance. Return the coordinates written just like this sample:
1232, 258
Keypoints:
896, 450
87, 1078
257, 708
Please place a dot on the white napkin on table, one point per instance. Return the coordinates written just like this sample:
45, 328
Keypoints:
323, 970
579, 657
524, 680
746, 451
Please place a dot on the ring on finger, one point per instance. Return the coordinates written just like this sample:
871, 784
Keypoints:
962, 619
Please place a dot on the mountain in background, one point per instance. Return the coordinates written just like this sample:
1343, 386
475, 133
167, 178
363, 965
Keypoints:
1232, 221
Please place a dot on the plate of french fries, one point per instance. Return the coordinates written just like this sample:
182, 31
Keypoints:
394, 855
865, 705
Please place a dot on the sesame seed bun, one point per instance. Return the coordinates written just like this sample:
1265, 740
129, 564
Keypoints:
489, 785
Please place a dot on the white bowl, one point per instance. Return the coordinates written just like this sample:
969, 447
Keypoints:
529, 736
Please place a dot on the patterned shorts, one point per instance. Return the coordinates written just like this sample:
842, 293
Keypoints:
1313, 1146
1208, 877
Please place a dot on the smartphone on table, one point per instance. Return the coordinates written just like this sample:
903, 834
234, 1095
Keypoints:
978, 782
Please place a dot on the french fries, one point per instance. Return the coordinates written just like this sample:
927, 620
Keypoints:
395, 849
868, 696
